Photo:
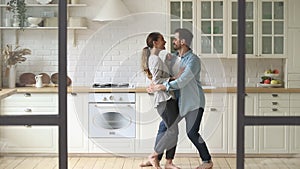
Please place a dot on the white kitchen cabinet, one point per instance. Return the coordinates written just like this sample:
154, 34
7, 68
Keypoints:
147, 126
77, 122
293, 13
147, 123
293, 68
181, 16
295, 130
29, 139
266, 28
214, 122
211, 21
205, 18
273, 139
251, 132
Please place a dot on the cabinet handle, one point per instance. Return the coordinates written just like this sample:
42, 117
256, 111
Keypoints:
27, 94
275, 103
274, 109
28, 126
27, 110
275, 95
73, 94
213, 109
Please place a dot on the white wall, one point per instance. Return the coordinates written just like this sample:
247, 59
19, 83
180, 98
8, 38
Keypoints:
110, 51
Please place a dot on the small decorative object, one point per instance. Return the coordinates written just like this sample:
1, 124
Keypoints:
74, 1
44, 2
34, 21
11, 58
18, 7
38, 81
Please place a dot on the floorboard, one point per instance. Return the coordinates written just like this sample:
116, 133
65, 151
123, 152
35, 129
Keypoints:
133, 163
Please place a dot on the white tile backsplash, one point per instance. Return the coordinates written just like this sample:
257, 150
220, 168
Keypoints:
110, 51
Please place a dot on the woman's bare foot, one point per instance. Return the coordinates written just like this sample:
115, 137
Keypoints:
153, 159
171, 166
146, 164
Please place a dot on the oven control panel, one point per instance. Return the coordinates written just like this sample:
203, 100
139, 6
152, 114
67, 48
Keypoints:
111, 97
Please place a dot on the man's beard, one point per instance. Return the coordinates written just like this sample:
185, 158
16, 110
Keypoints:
176, 47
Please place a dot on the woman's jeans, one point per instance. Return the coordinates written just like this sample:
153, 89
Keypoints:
167, 135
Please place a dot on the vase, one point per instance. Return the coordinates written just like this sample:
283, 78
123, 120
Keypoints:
12, 73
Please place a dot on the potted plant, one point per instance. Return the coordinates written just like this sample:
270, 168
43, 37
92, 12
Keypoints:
18, 7
11, 58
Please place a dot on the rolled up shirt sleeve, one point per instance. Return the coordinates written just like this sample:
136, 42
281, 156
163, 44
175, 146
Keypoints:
184, 78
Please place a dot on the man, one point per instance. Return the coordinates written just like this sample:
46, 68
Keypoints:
191, 100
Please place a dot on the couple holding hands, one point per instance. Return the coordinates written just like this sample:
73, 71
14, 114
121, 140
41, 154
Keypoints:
177, 95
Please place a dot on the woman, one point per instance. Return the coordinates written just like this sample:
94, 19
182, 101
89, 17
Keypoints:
165, 103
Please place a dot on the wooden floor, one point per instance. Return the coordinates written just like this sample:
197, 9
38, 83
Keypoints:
133, 163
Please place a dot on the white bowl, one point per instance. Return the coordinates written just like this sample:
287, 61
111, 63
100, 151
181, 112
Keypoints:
34, 21
44, 2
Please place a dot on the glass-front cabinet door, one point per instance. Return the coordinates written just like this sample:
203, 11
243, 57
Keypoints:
265, 29
211, 28
251, 29
181, 16
272, 28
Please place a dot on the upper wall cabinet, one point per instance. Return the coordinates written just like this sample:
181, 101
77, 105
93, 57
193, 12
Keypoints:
206, 19
181, 16
265, 29
294, 13
215, 26
211, 22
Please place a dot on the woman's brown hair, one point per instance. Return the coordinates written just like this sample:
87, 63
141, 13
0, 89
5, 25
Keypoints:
146, 52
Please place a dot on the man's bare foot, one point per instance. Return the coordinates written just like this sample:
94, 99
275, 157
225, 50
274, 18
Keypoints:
146, 164
206, 165
171, 166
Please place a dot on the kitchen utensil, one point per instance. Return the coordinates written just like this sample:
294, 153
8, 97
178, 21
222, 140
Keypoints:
54, 79
38, 79
27, 78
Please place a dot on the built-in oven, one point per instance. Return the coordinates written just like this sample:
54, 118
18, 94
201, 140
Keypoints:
112, 115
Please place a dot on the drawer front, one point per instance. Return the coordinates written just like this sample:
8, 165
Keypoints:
274, 111
279, 96
30, 100
295, 96
273, 103
28, 110
215, 99
295, 103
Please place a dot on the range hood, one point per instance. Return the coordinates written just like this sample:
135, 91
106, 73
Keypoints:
112, 10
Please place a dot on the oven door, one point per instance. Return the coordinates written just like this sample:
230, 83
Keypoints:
112, 120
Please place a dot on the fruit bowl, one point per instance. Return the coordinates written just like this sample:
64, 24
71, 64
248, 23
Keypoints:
269, 85
34, 21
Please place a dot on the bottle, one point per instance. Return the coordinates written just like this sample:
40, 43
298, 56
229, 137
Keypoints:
16, 21
7, 22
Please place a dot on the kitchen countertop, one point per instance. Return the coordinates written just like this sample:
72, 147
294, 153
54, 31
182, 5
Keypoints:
7, 92
82, 89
